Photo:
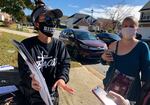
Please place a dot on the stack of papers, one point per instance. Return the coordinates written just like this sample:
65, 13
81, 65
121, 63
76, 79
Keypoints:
6, 68
8, 89
44, 92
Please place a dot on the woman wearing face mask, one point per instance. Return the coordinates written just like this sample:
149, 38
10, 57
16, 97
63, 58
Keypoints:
130, 57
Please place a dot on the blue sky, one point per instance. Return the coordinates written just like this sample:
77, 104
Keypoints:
70, 7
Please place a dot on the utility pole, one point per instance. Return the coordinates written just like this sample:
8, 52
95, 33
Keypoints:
92, 15
91, 21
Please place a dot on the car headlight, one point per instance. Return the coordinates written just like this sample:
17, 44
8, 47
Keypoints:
101, 48
93, 48
84, 46
98, 48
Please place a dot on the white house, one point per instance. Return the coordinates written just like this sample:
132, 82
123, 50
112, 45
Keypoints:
70, 23
82, 21
144, 22
4, 16
87, 22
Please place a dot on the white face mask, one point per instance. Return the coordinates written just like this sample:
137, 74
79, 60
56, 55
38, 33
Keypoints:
128, 32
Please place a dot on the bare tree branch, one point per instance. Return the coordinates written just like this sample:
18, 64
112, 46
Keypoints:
118, 13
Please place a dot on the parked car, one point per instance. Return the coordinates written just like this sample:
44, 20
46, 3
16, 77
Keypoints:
108, 37
138, 36
147, 41
82, 44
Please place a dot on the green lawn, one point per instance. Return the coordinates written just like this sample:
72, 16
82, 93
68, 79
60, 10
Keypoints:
8, 53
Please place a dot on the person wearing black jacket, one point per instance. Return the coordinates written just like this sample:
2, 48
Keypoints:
50, 55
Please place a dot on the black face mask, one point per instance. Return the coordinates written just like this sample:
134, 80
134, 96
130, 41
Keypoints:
47, 29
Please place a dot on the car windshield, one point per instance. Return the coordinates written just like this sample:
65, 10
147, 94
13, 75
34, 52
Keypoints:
84, 35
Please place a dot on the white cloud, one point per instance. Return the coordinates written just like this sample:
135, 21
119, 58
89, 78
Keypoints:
50, 7
73, 6
136, 12
97, 12
127, 10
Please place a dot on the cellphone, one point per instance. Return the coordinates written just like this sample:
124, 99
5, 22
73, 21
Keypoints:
101, 94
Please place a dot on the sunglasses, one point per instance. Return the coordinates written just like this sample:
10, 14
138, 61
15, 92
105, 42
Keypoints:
50, 21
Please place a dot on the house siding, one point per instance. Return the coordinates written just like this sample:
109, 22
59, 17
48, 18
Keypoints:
144, 22
145, 32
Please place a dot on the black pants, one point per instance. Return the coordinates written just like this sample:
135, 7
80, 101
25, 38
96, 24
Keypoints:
37, 100
32, 97
19, 99
14, 98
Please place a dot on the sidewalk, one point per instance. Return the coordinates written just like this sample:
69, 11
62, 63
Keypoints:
83, 81
17, 32
56, 33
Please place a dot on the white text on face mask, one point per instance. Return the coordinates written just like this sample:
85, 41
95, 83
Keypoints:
48, 29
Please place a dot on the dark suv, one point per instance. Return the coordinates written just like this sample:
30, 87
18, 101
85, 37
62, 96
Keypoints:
82, 44
108, 37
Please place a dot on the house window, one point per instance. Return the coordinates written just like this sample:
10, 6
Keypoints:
148, 17
144, 18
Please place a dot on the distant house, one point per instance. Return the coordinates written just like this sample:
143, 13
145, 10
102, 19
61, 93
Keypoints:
144, 22
87, 22
82, 21
72, 20
4, 16
103, 24
63, 20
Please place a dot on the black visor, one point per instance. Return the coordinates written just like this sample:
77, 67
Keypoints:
57, 13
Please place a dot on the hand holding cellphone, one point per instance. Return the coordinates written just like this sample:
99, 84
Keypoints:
102, 96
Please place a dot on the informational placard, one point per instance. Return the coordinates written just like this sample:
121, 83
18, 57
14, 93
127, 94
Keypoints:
45, 95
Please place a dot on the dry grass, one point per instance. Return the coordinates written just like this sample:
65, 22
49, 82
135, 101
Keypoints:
75, 64
8, 53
